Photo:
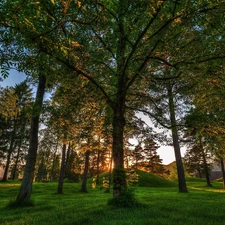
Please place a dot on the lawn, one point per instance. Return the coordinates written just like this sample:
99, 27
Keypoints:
159, 205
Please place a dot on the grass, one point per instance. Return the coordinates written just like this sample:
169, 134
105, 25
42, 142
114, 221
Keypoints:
160, 205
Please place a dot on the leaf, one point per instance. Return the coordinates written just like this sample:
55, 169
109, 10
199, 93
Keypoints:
45, 18
53, 2
79, 4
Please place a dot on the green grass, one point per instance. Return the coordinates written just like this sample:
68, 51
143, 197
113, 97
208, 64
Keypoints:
160, 205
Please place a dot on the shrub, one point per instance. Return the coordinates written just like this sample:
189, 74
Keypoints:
125, 199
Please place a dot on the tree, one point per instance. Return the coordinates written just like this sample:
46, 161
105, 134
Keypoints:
26, 188
152, 162
194, 161
19, 126
196, 123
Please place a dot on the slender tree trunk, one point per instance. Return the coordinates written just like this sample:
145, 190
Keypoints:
17, 160
110, 172
53, 163
62, 170
85, 174
206, 171
10, 151
68, 155
5, 175
180, 169
199, 173
26, 187
223, 171
206, 168
97, 170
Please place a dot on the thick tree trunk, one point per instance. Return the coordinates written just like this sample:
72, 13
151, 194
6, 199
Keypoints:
85, 174
26, 187
223, 172
119, 176
62, 170
180, 169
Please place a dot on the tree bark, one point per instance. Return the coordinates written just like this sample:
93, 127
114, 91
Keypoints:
110, 172
67, 161
85, 174
17, 160
223, 172
119, 177
5, 176
53, 162
26, 187
180, 169
97, 169
205, 166
62, 170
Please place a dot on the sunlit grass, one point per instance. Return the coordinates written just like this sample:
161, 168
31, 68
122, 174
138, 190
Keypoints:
159, 205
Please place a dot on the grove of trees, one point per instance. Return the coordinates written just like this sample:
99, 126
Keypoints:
104, 61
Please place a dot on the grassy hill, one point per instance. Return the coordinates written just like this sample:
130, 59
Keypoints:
146, 180
150, 180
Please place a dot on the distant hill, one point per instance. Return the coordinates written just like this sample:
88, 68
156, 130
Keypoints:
148, 180
170, 166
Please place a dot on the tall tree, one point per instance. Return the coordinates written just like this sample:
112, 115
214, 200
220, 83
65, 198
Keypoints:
24, 194
19, 121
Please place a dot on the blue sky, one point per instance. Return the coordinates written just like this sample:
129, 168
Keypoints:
14, 78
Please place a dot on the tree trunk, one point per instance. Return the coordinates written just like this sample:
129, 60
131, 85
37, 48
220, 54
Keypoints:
110, 172
199, 173
26, 187
223, 172
119, 176
180, 169
97, 170
85, 174
5, 176
205, 166
62, 170
67, 161
53, 162
16, 163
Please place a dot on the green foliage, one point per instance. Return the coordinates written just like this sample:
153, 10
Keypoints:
94, 182
132, 177
125, 199
105, 182
119, 176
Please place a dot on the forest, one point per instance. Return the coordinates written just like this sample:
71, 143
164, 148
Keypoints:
97, 65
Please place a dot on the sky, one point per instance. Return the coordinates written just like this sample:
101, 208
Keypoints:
166, 152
